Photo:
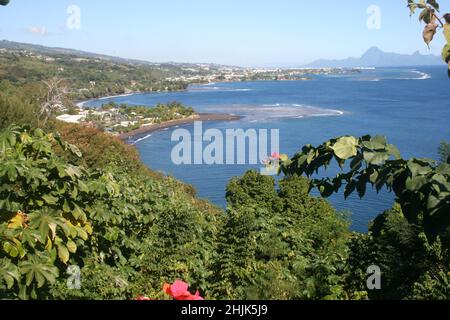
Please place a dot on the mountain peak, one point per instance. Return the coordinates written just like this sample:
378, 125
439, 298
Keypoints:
372, 52
374, 49
375, 57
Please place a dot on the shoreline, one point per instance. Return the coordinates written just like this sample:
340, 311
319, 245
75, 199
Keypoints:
173, 123
81, 103
146, 129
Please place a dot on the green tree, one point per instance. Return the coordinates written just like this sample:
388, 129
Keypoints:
15, 110
412, 267
444, 152
253, 188
279, 244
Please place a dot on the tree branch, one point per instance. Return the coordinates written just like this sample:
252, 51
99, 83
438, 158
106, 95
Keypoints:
439, 19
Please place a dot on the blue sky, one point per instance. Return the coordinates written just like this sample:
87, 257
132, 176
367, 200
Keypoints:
238, 32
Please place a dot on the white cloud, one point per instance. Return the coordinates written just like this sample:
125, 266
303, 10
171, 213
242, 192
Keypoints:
36, 30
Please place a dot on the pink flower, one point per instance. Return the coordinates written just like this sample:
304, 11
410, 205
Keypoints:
276, 155
142, 298
179, 291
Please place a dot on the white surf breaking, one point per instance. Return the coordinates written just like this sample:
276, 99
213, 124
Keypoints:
268, 112
141, 139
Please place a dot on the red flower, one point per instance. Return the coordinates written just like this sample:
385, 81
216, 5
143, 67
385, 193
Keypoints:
179, 291
196, 297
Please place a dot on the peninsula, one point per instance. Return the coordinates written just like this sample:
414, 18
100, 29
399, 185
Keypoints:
126, 121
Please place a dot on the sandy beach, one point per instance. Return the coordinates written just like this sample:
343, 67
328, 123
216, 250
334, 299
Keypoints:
178, 122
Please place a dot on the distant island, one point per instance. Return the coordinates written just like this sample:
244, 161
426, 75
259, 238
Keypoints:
374, 57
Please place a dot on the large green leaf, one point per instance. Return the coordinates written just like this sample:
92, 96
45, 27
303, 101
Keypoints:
345, 147
63, 253
8, 272
49, 199
393, 150
45, 221
417, 168
71, 246
38, 269
416, 183
376, 143
376, 158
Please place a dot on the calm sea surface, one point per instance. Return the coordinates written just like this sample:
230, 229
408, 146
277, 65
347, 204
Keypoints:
411, 106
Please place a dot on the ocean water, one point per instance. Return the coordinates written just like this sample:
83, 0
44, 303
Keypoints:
411, 106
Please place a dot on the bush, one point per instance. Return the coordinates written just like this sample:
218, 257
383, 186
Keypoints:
14, 110
55, 213
412, 266
280, 244
103, 151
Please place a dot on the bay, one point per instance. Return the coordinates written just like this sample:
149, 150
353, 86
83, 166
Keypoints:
411, 106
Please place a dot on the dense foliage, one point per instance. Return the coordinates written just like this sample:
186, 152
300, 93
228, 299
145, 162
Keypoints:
422, 186
147, 229
280, 244
412, 266
141, 232
411, 242
13, 108
54, 213
88, 77
123, 118
17, 107
162, 112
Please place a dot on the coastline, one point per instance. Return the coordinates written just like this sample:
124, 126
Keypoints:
81, 103
146, 129
173, 123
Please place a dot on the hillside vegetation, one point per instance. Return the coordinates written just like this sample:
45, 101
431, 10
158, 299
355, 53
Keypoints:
87, 77
74, 196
